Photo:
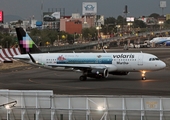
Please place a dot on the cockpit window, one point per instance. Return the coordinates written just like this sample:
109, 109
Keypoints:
153, 59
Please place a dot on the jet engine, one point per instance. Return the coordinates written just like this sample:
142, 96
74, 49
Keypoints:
98, 73
119, 73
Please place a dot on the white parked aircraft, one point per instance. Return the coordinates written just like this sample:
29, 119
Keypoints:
160, 40
94, 65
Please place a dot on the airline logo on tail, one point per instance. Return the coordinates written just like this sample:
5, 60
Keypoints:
27, 42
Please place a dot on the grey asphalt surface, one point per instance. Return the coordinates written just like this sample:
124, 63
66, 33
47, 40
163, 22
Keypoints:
65, 82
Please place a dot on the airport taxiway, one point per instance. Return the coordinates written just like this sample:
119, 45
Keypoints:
65, 82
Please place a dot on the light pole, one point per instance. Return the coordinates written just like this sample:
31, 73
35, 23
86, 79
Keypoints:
98, 28
161, 24
58, 39
81, 39
42, 2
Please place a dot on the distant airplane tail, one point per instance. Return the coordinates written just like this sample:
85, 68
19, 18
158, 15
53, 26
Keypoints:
25, 42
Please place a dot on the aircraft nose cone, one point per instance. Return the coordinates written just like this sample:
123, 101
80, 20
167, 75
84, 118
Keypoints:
163, 65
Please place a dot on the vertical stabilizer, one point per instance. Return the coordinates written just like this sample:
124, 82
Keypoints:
25, 42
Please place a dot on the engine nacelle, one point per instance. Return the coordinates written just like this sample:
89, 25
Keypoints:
119, 73
95, 73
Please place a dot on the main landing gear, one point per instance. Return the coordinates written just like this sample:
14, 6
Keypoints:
143, 75
83, 78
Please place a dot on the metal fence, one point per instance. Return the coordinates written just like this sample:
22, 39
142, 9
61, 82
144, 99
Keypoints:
44, 105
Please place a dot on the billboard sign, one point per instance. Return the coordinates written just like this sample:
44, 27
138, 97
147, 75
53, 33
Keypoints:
51, 16
130, 19
163, 4
1, 17
89, 8
56, 15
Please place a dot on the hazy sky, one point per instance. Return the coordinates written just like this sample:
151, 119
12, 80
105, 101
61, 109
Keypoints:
108, 8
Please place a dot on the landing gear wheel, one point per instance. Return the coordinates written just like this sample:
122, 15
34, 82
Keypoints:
143, 75
83, 78
143, 78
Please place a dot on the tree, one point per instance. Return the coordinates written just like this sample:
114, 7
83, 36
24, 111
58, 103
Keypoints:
1, 36
70, 38
89, 33
8, 41
85, 32
121, 20
109, 25
35, 32
52, 36
155, 15
110, 20
93, 32
167, 23
139, 24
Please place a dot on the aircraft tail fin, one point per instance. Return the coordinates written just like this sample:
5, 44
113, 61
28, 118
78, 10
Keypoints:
25, 42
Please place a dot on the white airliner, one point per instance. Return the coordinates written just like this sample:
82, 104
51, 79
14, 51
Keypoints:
160, 40
94, 65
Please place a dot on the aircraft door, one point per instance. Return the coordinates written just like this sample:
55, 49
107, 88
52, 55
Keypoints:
140, 59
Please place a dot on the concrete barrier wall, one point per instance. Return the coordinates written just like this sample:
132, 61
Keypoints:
42, 105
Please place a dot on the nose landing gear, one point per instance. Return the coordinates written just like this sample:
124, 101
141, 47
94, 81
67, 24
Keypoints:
143, 75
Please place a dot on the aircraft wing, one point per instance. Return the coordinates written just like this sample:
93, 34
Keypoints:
72, 67
80, 66
83, 67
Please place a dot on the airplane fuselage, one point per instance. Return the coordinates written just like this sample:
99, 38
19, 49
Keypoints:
130, 62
